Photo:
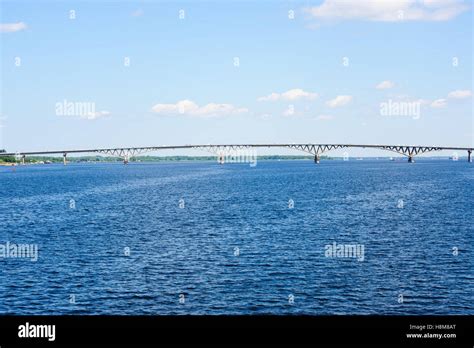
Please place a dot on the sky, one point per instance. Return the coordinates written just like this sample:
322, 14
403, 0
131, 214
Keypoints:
90, 74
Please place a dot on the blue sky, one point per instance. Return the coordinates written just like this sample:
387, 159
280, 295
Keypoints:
320, 77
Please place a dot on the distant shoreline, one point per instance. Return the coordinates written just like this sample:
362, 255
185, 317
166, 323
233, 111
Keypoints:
170, 159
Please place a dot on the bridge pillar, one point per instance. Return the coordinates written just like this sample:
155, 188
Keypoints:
220, 158
64, 158
23, 159
126, 159
411, 159
317, 158
469, 159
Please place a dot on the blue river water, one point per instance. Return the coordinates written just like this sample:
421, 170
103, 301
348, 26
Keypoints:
204, 238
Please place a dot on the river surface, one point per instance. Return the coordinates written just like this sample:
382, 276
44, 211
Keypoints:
204, 238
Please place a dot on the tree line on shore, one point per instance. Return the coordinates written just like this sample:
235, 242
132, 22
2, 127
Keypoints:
59, 159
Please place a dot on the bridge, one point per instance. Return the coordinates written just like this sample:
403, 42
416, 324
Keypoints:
316, 150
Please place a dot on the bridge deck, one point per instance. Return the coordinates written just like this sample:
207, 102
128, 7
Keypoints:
293, 145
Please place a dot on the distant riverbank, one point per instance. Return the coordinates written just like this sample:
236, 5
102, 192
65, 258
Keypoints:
105, 159
171, 159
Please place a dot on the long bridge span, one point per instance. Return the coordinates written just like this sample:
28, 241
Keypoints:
316, 150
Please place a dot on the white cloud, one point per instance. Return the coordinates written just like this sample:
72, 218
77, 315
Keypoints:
460, 94
270, 97
95, 115
291, 95
290, 111
388, 10
190, 108
385, 85
295, 94
12, 27
340, 100
438, 103
422, 102
408, 99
